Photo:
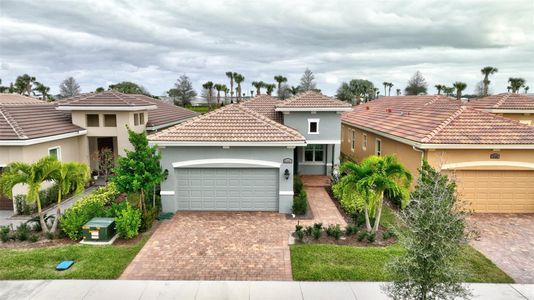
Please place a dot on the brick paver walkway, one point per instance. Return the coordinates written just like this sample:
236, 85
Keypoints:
226, 245
508, 240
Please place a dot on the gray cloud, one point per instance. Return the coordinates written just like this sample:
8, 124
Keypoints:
149, 42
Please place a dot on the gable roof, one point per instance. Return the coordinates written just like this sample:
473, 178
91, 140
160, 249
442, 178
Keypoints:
166, 114
265, 105
231, 124
106, 100
18, 99
504, 101
437, 120
27, 122
311, 100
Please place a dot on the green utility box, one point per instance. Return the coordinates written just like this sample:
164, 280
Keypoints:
99, 229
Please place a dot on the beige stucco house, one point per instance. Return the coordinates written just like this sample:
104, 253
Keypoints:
491, 157
75, 129
519, 107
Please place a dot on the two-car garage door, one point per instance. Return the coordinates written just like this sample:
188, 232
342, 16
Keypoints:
497, 191
227, 189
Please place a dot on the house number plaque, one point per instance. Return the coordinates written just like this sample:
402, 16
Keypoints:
287, 161
495, 156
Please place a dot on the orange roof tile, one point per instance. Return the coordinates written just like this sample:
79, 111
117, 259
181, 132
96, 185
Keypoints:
265, 105
504, 101
311, 100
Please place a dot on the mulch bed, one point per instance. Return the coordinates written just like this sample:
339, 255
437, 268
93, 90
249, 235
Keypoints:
349, 240
307, 216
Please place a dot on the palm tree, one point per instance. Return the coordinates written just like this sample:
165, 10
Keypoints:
447, 90
386, 84
390, 85
209, 87
225, 90
508, 88
460, 86
238, 78
32, 175
42, 89
251, 93
370, 179
516, 84
270, 88
280, 79
231, 76
439, 87
398, 92
218, 87
294, 90
70, 176
526, 89
487, 71
258, 85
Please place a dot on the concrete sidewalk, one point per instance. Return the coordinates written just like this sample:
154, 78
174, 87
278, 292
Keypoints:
235, 290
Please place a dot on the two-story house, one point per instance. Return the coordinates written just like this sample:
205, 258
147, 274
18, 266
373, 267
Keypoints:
242, 157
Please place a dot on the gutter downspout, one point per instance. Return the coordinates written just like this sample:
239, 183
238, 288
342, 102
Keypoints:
422, 154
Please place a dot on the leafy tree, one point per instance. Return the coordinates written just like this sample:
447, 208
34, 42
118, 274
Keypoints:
69, 87
448, 90
32, 175
459, 86
23, 84
439, 87
434, 236
357, 89
209, 88
43, 91
99, 90
270, 88
128, 87
367, 182
487, 71
279, 80
183, 91
344, 93
416, 85
140, 170
307, 81
238, 78
231, 76
70, 176
516, 84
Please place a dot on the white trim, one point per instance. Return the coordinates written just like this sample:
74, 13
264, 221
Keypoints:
507, 111
312, 163
317, 121
323, 142
232, 161
287, 109
3, 165
487, 163
58, 148
42, 140
286, 193
166, 193
106, 108
222, 144
153, 128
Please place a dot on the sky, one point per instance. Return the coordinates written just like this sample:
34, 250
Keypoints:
153, 42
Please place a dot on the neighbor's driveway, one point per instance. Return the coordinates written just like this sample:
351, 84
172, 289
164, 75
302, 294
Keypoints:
508, 240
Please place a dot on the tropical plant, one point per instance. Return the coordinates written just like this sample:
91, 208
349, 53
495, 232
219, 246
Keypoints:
183, 91
294, 90
43, 90
258, 85
128, 221
356, 90
219, 87
208, 86
526, 89
70, 177
69, 87
516, 84
307, 81
385, 84
434, 237
439, 87
459, 86
487, 71
32, 175
448, 90
398, 92
365, 185
23, 84
279, 80
128, 87
270, 88
238, 78
416, 85
230, 75
390, 85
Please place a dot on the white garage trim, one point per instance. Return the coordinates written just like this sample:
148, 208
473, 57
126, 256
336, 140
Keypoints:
166, 193
487, 163
286, 193
226, 163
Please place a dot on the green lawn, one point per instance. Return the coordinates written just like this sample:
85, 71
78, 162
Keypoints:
199, 109
91, 262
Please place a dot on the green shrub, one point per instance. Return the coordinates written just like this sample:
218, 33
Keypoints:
351, 229
23, 232
300, 235
308, 230
49, 235
317, 232
318, 226
334, 231
300, 203
4, 233
148, 218
371, 237
35, 222
298, 185
388, 234
361, 236
298, 227
127, 222
34, 237
22, 206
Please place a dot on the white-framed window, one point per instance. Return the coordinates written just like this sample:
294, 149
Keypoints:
142, 119
364, 142
313, 126
314, 153
378, 147
55, 152
136, 119
353, 140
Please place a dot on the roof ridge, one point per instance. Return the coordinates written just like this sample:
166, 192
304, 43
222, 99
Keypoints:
271, 122
12, 123
502, 100
444, 124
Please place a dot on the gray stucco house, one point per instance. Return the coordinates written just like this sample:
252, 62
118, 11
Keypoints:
242, 157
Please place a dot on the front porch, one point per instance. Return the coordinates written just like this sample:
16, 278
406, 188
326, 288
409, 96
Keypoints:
316, 159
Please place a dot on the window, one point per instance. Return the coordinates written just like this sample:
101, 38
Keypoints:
313, 126
314, 153
378, 147
55, 152
364, 142
136, 119
353, 140
142, 118
92, 120
110, 120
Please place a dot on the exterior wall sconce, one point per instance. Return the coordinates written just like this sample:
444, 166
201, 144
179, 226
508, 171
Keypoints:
286, 174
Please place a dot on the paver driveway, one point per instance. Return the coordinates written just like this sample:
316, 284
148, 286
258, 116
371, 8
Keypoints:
508, 240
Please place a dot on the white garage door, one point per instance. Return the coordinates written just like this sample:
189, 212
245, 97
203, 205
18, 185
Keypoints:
227, 189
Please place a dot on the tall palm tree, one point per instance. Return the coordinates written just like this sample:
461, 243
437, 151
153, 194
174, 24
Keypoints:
42, 89
209, 87
526, 89
32, 175
439, 87
70, 176
280, 79
231, 76
270, 88
398, 92
459, 86
487, 71
225, 90
516, 84
238, 78
258, 85
390, 85
386, 84
218, 87
294, 90
251, 93
368, 181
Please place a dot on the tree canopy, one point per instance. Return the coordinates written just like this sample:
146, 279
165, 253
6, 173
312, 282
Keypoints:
183, 91
416, 85
69, 87
307, 81
357, 90
128, 87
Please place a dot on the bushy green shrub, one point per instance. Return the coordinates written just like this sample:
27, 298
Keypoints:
351, 229
22, 206
316, 233
300, 203
47, 197
371, 237
34, 238
23, 232
4, 233
308, 230
148, 218
93, 205
362, 235
127, 222
300, 235
334, 231
298, 185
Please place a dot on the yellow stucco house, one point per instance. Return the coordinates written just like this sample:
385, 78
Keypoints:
519, 107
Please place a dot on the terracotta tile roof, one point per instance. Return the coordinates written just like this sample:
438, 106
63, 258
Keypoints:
18, 99
22, 122
231, 123
167, 113
107, 98
504, 101
312, 99
437, 120
265, 105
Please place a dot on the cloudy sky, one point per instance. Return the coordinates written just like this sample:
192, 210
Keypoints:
153, 42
